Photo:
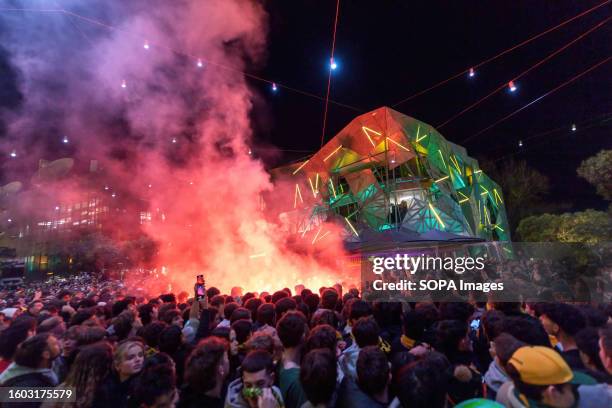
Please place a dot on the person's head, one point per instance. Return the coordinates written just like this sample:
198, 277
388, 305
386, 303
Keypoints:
90, 335
605, 347
491, 322
38, 351
329, 298
128, 358
366, 330
228, 309
252, 305
64, 295
322, 336
84, 317
264, 341
240, 332
318, 375
70, 339
147, 313
278, 295
12, 336
173, 317
456, 311
212, 292
35, 307
503, 347
207, 366
542, 375
240, 313
170, 339
284, 305
257, 373
312, 301
54, 325
90, 367
527, 329
266, 314
291, 329
151, 332
451, 337
217, 301
587, 341
156, 384
359, 308
372, 370
595, 317
562, 320
424, 383
126, 325
324, 316
168, 298
298, 289
236, 292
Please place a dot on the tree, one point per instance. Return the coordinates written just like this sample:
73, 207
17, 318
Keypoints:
589, 227
524, 188
597, 170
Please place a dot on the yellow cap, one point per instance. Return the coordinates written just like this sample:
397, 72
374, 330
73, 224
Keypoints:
538, 365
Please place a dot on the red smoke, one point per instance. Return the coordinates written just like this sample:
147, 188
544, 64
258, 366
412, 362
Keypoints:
182, 129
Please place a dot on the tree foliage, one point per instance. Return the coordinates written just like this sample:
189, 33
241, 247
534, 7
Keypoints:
597, 170
588, 227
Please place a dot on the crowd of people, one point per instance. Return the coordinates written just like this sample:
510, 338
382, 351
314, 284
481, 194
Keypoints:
116, 346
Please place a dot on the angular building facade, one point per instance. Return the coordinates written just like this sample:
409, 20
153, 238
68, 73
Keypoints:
387, 176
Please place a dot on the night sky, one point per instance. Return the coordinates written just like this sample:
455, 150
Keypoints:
389, 50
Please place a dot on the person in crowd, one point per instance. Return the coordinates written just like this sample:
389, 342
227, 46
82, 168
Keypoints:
239, 334
365, 333
155, 386
541, 378
33, 360
502, 348
12, 336
563, 321
318, 378
171, 343
599, 395
206, 370
147, 313
371, 387
128, 360
150, 333
241, 313
292, 330
255, 388
587, 341
266, 319
424, 383
91, 366
125, 325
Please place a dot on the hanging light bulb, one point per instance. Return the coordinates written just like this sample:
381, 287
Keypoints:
113, 195
200, 64
274, 87
511, 86
65, 139
520, 143
13, 154
123, 84
106, 188
573, 127
146, 45
332, 64
174, 140
250, 152
471, 73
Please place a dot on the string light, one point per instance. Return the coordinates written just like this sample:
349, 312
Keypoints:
520, 143
146, 45
106, 188
200, 64
573, 127
13, 154
113, 195
512, 86
274, 87
10, 220
65, 139
250, 152
333, 64
174, 140
123, 84
471, 73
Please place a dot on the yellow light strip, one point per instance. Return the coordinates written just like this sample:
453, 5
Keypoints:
464, 200
314, 192
331, 183
317, 182
464, 196
433, 210
497, 196
400, 145
257, 255
316, 235
499, 228
418, 139
323, 236
453, 159
298, 193
332, 153
442, 157
366, 130
300, 168
484, 192
486, 213
351, 225
441, 179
